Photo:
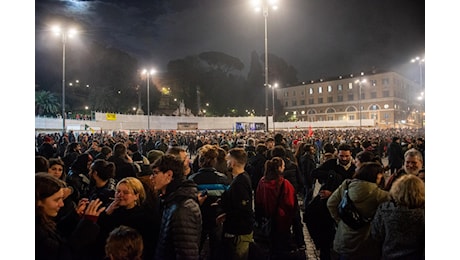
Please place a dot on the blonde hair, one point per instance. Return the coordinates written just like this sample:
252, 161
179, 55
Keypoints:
408, 190
134, 184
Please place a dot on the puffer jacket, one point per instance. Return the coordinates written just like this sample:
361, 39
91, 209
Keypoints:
181, 224
366, 196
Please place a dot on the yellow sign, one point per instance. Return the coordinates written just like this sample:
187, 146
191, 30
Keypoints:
111, 116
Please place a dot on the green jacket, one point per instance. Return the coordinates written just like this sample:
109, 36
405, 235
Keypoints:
367, 197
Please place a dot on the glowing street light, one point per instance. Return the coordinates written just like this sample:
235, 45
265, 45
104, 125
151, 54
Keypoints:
151, 72
64, 35
420, 62
264, 5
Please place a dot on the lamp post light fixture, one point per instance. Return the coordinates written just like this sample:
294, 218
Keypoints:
420, 62
264, 5
148, 73
64, 36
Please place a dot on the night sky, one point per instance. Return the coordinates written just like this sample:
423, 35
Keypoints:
320, 38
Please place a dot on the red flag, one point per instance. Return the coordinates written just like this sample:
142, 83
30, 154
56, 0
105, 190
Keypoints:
310, 132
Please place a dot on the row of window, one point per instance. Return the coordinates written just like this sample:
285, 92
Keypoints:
350, 97
385, 82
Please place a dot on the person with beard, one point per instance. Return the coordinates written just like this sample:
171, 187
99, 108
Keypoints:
413, 164
78, 177
181, 222
101, 173
330, 175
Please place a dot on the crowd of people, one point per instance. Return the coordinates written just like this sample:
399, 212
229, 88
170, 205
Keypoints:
202, 195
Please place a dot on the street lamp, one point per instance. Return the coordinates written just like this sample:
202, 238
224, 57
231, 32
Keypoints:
151, 72
273, 103
64, 35
420, 62
264, 5
359, 98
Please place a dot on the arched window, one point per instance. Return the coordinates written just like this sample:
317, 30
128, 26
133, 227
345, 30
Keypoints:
330, 110
350, 109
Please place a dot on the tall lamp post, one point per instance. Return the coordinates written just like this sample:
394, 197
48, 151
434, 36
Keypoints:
264, 5
420, 62
360, 81
64, 35
273, 104
150, 72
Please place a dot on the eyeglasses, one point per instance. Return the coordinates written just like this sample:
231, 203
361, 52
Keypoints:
155, 172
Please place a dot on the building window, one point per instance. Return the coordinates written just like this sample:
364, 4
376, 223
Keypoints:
373, 94
350, 85
286, 104
320, 100
302, 102
339, 98
286, 94
310, 91
350, 96
339, 87
311, 101
373, 82
320, 90
385, 81
293, 93
330, 110
329, 88
374, 116
330, 118
351, 117
386, 93
294, 103
302, 93
329, 100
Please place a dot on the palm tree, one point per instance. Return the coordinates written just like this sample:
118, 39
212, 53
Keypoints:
46, 103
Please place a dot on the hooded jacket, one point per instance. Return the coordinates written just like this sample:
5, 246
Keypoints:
180, 229
267, 195
366, 196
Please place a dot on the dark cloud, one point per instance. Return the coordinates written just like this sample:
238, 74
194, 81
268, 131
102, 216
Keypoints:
319, 38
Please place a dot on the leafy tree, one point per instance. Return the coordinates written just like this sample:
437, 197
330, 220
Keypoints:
221, 61
46, 103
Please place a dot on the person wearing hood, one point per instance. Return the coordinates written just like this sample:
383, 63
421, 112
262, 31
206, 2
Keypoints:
181, 223
366, 195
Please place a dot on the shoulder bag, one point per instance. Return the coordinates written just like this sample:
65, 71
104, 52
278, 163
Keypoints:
263, 227
348, 212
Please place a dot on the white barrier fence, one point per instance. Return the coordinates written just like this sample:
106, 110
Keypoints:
116, 122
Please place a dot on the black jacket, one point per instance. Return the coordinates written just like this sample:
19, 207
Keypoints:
180, 229
55, 245
216, 184
237, 204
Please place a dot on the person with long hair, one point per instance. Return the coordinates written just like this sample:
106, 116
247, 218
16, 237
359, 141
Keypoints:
275, 198
399, 224
50, 242
366, 195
